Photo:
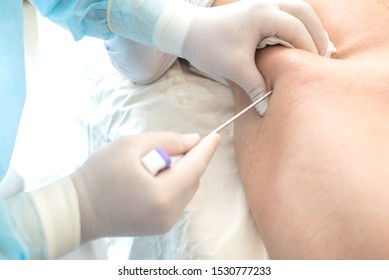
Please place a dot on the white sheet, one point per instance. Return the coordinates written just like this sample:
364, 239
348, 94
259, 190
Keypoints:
217, 224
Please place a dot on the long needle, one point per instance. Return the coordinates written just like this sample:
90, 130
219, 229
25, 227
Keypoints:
240, 113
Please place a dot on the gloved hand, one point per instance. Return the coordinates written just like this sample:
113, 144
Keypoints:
118, 196
222, 40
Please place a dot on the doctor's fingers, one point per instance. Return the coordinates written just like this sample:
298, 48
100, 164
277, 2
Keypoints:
290, 29
301, 33
244, 125
173, 143
305, 13
245, 73
182, 179
252, 81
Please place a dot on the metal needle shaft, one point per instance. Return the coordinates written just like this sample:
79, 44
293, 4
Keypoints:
240, 113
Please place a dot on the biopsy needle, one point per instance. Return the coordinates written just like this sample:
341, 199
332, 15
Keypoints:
240, 113
157, 159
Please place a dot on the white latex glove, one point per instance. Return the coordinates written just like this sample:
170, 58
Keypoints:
119, 197
222, 40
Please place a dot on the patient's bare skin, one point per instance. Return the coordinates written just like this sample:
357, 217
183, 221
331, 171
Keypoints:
315, 168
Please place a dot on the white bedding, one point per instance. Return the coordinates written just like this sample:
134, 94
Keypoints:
217, 224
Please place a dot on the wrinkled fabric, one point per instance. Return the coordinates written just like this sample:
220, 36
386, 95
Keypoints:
136, 19
217, 223
80, 17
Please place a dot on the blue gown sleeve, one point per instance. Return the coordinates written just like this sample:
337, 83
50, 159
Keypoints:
11, 243
80, 17
140, 63
12, 78
136, 20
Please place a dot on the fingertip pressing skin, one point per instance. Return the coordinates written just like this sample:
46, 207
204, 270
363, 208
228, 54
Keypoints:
295, 32
312, 22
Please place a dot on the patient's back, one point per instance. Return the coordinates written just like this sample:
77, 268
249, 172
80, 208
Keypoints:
355, 26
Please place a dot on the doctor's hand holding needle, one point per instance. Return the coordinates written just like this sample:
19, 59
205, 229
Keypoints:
119, 197
112, 194
123, 198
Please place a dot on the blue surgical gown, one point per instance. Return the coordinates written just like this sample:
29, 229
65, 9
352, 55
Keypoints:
81, 18
11, 243
135, 19
12, 94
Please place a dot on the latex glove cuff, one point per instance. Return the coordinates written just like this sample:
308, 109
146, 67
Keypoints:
172, 27
58, 209
48, 220
156, 23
